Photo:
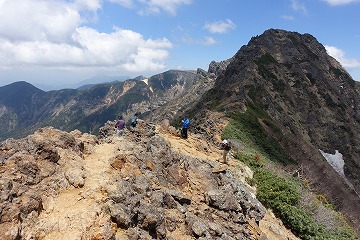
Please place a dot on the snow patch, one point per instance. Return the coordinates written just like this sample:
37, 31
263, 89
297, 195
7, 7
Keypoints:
146, 80
336, 161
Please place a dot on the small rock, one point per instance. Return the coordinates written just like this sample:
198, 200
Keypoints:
199, 228
118, 214
179, 196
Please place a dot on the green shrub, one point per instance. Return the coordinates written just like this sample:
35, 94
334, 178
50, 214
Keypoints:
294, 40
273, 190
282, 196
311, 78
300, 223
336, 71
249, 159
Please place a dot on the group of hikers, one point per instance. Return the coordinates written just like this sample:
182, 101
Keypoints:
120, 126
120, 123
225, 144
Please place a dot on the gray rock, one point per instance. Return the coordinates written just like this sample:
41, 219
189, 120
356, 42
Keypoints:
75, 176
5, 189
199, 228
224, 199
179, 196
120, 216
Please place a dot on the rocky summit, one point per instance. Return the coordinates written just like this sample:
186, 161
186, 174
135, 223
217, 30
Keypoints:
146, 184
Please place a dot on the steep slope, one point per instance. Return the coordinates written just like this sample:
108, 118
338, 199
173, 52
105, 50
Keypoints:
142, 185
304, 100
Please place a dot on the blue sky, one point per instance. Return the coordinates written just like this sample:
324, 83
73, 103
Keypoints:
62, 42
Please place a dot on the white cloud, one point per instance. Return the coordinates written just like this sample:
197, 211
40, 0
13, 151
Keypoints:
340, 2
339, 55
157, 6
33, 20
220, 26
298, 6
50, 34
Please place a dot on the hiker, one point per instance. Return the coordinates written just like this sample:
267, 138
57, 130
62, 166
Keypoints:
185, 126
120, 125
134, 120
225, 145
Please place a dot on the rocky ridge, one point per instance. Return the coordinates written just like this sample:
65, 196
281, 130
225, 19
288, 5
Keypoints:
309, 102
146, 184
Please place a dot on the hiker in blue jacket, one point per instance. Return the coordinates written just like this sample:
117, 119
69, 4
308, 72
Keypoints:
134, 120
185, 123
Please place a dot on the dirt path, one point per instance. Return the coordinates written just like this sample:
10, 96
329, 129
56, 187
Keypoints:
73, 211
67, 216
194, 146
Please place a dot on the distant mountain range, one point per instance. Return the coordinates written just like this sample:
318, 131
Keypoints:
297, 96
24, 108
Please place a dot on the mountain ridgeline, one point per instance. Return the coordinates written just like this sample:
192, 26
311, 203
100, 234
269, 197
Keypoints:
295, 93
24, 108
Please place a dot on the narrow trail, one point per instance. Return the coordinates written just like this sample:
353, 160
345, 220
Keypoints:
194, 146
73, 210
197, 147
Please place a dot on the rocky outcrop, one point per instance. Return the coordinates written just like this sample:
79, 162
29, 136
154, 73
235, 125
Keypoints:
73, 185
217, 68
168, 199
176, 107
33, 169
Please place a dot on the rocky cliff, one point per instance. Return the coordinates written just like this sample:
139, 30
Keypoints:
146, 184
309, 101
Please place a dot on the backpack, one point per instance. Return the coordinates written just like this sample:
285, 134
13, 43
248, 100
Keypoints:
133, 121
226, 145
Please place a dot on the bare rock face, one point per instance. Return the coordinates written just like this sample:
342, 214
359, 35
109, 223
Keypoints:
218, 68
58, 185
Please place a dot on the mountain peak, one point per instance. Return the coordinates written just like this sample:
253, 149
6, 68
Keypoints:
20, 91
19, 85
309, 99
